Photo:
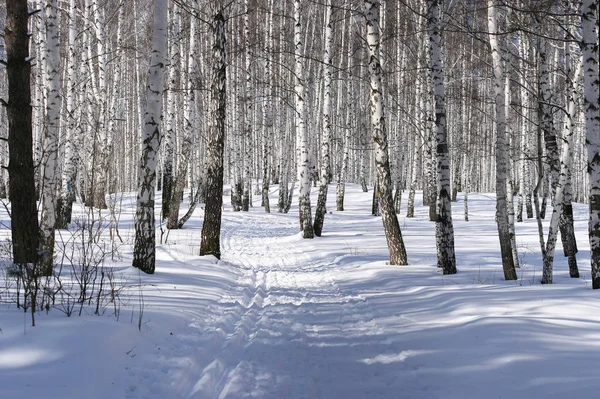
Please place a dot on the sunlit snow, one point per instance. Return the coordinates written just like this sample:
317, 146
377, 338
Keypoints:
283, 317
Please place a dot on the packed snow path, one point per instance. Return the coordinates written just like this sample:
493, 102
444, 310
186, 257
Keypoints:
292, 329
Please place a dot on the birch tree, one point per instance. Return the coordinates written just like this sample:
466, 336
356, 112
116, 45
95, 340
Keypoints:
445, 229
591, 91
563, 176
267, 116
501, 146
326, 139
171, 116
306, 225
51, 136
101, 139
390, 220
211, 228
144, 252
66, 196
173, 221
248, 114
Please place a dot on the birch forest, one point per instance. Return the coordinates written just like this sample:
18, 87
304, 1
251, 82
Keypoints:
168, 98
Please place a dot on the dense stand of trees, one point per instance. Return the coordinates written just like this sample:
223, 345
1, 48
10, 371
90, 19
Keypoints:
443, 97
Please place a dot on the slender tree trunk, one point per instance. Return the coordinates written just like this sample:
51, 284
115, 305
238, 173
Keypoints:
173, 221
326, 139
390, 220
248, 114
589, 21
100, 165
561, 184
267, 114
24, 222
171, 116
211, 228
144, 252
306, 225
501, 147
445, 229
51, 137
64, 204
566, 223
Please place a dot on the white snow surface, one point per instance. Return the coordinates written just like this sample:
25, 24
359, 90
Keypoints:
283, 317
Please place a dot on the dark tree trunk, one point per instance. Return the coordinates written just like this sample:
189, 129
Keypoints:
24, 222
167, 187
211, 229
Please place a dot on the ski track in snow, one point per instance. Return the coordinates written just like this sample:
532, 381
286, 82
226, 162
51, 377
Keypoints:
289, 326
268, 298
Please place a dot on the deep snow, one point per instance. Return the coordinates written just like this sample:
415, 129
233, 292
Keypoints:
282, 317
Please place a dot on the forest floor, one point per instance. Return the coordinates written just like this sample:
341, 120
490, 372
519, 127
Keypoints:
282, 317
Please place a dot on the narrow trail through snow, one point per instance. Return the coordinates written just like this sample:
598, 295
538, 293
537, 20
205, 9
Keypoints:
286, 308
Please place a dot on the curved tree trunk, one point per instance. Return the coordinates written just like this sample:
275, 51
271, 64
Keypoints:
390, 220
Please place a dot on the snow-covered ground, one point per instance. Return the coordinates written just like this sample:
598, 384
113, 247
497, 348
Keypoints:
282, 317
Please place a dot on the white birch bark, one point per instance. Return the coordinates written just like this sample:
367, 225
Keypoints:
591, 91
348, 126
326, 138
566, 223
445, 228
524, 183
51, 136
69, 171
501, 147
267, 115
171, 114
100, 166
306, 225
390, 220
187, 133
248, 114
563, 177
510, 206
144, 254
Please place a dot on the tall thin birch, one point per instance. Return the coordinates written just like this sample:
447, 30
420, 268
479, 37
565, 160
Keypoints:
591, 91
267, 128
445, 229
563, 177
172, 103
51, 137
248, 114
187, 133
144, 253
501, 146
390, 220
326, 139
66, 197
306, 224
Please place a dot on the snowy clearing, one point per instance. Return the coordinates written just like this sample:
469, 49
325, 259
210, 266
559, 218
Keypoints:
282, 317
